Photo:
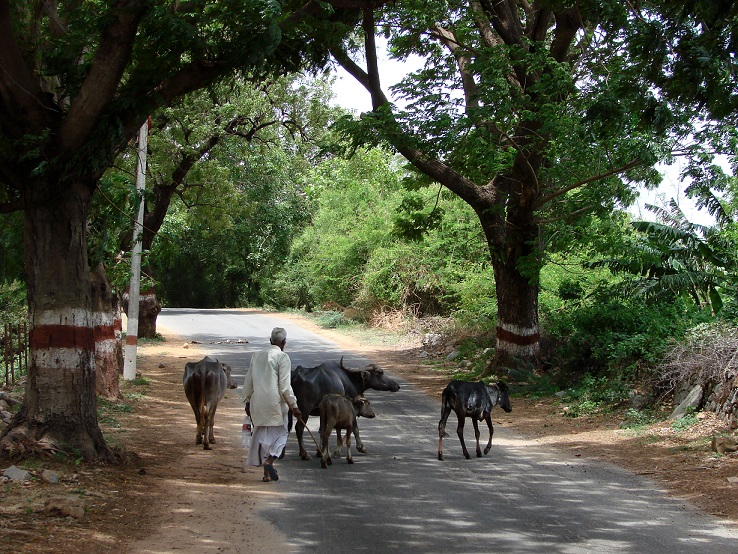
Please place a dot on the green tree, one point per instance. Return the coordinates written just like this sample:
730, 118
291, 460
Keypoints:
363, 251
686, 51
674, 256
524, 112
78, 81
219, 252
210, 150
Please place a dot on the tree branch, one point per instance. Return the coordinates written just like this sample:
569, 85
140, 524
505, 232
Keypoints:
568, 23
107, 68
471, 92
599, 177
455, 182
481, 19
23, 107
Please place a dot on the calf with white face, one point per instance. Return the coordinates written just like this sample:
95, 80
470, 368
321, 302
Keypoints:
338, 411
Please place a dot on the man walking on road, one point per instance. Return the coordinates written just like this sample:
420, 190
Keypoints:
268, 395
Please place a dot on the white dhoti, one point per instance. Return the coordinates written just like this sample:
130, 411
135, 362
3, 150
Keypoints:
266, 441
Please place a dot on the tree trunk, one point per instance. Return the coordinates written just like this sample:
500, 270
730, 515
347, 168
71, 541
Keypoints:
513, 244
108, 343
148, 310
518, 336
59, 410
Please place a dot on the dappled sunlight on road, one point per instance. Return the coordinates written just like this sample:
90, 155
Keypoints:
521, 497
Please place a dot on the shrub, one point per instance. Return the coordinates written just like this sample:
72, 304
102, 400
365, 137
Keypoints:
13, 307
605, 334
595, 394
686, 421
704, 356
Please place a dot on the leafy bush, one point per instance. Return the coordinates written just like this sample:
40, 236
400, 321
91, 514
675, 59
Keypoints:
603, 333
634, 419
352, 253
332, 319
595, 394
686, 421
13, 307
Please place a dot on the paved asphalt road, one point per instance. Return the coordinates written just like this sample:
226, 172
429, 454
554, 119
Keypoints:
399, 497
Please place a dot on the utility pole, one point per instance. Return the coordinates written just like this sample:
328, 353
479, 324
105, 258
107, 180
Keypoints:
129, 365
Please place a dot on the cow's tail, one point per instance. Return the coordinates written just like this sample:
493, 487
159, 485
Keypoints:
204, 412
445, 402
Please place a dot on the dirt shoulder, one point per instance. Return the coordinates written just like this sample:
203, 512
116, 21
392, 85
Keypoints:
169, 495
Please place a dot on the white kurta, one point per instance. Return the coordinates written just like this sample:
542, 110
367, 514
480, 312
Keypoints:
267, 387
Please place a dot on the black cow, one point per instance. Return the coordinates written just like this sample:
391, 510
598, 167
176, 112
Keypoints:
473, 400
338, 411
205, 383
311, 384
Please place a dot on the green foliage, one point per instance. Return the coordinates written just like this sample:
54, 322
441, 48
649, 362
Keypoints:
606, 332
412, 221
686, 421
107, 409
11, 247
225, 164
158, 338
676, 257
595, 394
535, 386
635, 419
140, 381
332, 319
13, 307
352, 254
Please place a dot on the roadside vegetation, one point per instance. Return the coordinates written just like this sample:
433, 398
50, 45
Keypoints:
490, 206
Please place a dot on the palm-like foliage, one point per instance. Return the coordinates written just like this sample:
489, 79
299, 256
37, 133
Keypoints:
675, 256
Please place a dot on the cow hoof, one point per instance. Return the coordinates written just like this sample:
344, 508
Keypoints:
350, 460
324, 465
440, 456
305, 456
330, 462
198, 440
206, 447
479, 453
337, 454
361, 449
466, 455
486, 450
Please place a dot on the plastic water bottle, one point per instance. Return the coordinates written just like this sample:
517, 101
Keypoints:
246, 433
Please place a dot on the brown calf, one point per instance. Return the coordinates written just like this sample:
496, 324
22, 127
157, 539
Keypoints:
339, 412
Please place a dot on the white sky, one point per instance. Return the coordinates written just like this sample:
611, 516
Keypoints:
351, 95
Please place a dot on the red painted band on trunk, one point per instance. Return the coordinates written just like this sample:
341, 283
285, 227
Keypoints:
131, 341
520, 340
62, 336
118, 324
104, 332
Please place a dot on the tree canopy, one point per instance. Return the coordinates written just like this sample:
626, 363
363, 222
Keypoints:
78, 80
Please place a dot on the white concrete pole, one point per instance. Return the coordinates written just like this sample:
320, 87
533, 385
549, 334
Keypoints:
129, 365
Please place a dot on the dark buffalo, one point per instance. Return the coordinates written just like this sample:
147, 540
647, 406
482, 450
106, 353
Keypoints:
338, 411
205, 383
475, 401
311, 384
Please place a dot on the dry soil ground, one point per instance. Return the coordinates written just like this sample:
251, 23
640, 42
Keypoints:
169, 496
